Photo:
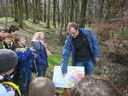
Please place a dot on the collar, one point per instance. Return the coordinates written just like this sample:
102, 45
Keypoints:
4, 77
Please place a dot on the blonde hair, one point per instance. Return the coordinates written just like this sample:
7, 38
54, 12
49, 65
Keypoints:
36, 36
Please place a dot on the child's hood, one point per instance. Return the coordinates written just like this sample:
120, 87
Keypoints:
35, 44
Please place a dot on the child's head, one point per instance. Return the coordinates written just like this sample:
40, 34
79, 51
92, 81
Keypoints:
90, 86
8, 61
13, 29
42, 86
19, 39
38, 36
2, 33
7, 38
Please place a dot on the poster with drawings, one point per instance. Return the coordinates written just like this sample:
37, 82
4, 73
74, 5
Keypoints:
71, 78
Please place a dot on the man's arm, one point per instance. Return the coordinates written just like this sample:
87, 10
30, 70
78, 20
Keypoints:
66, 55
95, 46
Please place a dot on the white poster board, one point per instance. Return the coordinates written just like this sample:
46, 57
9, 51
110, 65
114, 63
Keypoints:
71, 78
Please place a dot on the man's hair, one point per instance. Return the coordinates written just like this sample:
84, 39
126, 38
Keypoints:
72, 24
90, 86
13, 28
42, 86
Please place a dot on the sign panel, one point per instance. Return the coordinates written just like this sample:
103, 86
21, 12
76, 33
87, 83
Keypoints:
71, 78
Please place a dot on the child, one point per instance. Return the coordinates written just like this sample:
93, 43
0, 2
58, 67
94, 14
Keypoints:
41, 60
7, 42
25, 60
13, 30
8, 61
42, 86
40, 36
2, 33
90, 86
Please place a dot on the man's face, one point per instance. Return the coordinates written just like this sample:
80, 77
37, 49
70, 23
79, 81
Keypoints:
73, 32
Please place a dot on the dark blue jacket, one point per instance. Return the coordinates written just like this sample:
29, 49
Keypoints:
41, 53
42, 57
69, 47
25, 60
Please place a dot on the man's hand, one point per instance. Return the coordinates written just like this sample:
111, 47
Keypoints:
63, 74
97, 59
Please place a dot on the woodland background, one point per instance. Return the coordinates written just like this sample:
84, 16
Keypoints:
108, 19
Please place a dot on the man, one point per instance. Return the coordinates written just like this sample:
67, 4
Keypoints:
84, 47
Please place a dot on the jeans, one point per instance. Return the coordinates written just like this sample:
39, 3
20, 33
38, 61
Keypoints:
41, 69
26, 79
88, 66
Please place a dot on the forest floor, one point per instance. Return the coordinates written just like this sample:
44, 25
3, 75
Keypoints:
107, 68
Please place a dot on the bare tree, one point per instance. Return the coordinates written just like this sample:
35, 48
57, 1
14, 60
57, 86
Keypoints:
26, 9
54, 12
58, 12
1, 10
83, 13
45, 8
48, 15
72, 10
20, 3
11, 7
34, 13
16, 10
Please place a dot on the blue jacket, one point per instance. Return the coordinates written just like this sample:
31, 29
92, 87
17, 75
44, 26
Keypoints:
41, 53
69, 47
25, 60
41, 57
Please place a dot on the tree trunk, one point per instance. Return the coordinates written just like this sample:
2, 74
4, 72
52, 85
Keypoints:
37, 10
11, 7
26, 9
72, 11
34, 13
76, 11
45, 8
20, 3
16, 10
83, 13
40, 10
100, 12
1, 10
107, 10
62, 20
54, 13
48, 15
65, 15
58, 12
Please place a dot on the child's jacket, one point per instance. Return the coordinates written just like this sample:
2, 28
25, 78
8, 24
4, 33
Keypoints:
25, 59
7, 89
41, 53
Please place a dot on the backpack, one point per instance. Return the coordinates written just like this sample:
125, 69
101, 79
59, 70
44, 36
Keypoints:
13, 85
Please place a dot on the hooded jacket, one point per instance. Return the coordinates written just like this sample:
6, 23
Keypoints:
41, 53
